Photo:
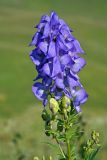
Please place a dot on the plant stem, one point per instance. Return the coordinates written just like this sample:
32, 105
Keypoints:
60, 148
68, 150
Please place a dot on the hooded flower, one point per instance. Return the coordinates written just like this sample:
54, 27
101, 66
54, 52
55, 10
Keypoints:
57, 59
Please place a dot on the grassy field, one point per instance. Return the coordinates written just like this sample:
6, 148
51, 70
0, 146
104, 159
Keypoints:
19, 110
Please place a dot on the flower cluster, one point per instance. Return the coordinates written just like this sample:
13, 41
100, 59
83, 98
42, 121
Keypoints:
57, 59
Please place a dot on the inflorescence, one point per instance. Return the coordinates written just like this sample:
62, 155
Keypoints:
57, 59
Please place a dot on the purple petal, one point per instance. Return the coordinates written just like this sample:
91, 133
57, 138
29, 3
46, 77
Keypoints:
65, 31
35, 39
45, 18
39, 91
45, 101
72, 79
78, 109
77, 46
59, 82
61, 43
47, 69
72, 82
54, 19
40, 27
69, 45
53, 87
47, 81
43, 46
52, 50
80, 97
79, 64
35, 57
56, 67
66, 59
72, 54
67, 93
62, 22
46, 30
58, 95
38, 77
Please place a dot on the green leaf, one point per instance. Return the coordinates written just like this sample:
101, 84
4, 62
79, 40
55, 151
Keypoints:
61, 137
71, 133
92, 156
51, 145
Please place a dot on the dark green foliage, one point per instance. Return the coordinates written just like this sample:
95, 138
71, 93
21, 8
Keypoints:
45, 115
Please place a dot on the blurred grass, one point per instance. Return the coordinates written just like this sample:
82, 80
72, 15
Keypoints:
17, 19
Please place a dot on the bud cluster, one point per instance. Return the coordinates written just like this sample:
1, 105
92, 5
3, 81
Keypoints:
60, 122
92, 146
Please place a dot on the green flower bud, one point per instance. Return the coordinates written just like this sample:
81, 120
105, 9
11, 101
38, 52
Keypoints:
89, 143
54, 106
66, 103
65, 113
69, 108
95, 136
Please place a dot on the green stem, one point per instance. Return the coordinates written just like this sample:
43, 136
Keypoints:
68, 150
67, 140
60, 148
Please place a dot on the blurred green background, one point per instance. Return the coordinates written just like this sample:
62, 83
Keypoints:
21, 127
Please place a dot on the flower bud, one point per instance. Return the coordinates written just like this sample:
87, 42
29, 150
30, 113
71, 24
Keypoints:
54, 106
66, 102
95, 136
89, 143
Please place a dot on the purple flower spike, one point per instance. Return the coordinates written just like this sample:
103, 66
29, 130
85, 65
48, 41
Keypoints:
57, 59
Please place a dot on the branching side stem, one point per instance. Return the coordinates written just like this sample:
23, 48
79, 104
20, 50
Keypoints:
60, 148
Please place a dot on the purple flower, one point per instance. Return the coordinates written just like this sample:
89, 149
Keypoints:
57, 59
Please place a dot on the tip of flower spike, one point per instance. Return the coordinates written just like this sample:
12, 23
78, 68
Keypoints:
53, 14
